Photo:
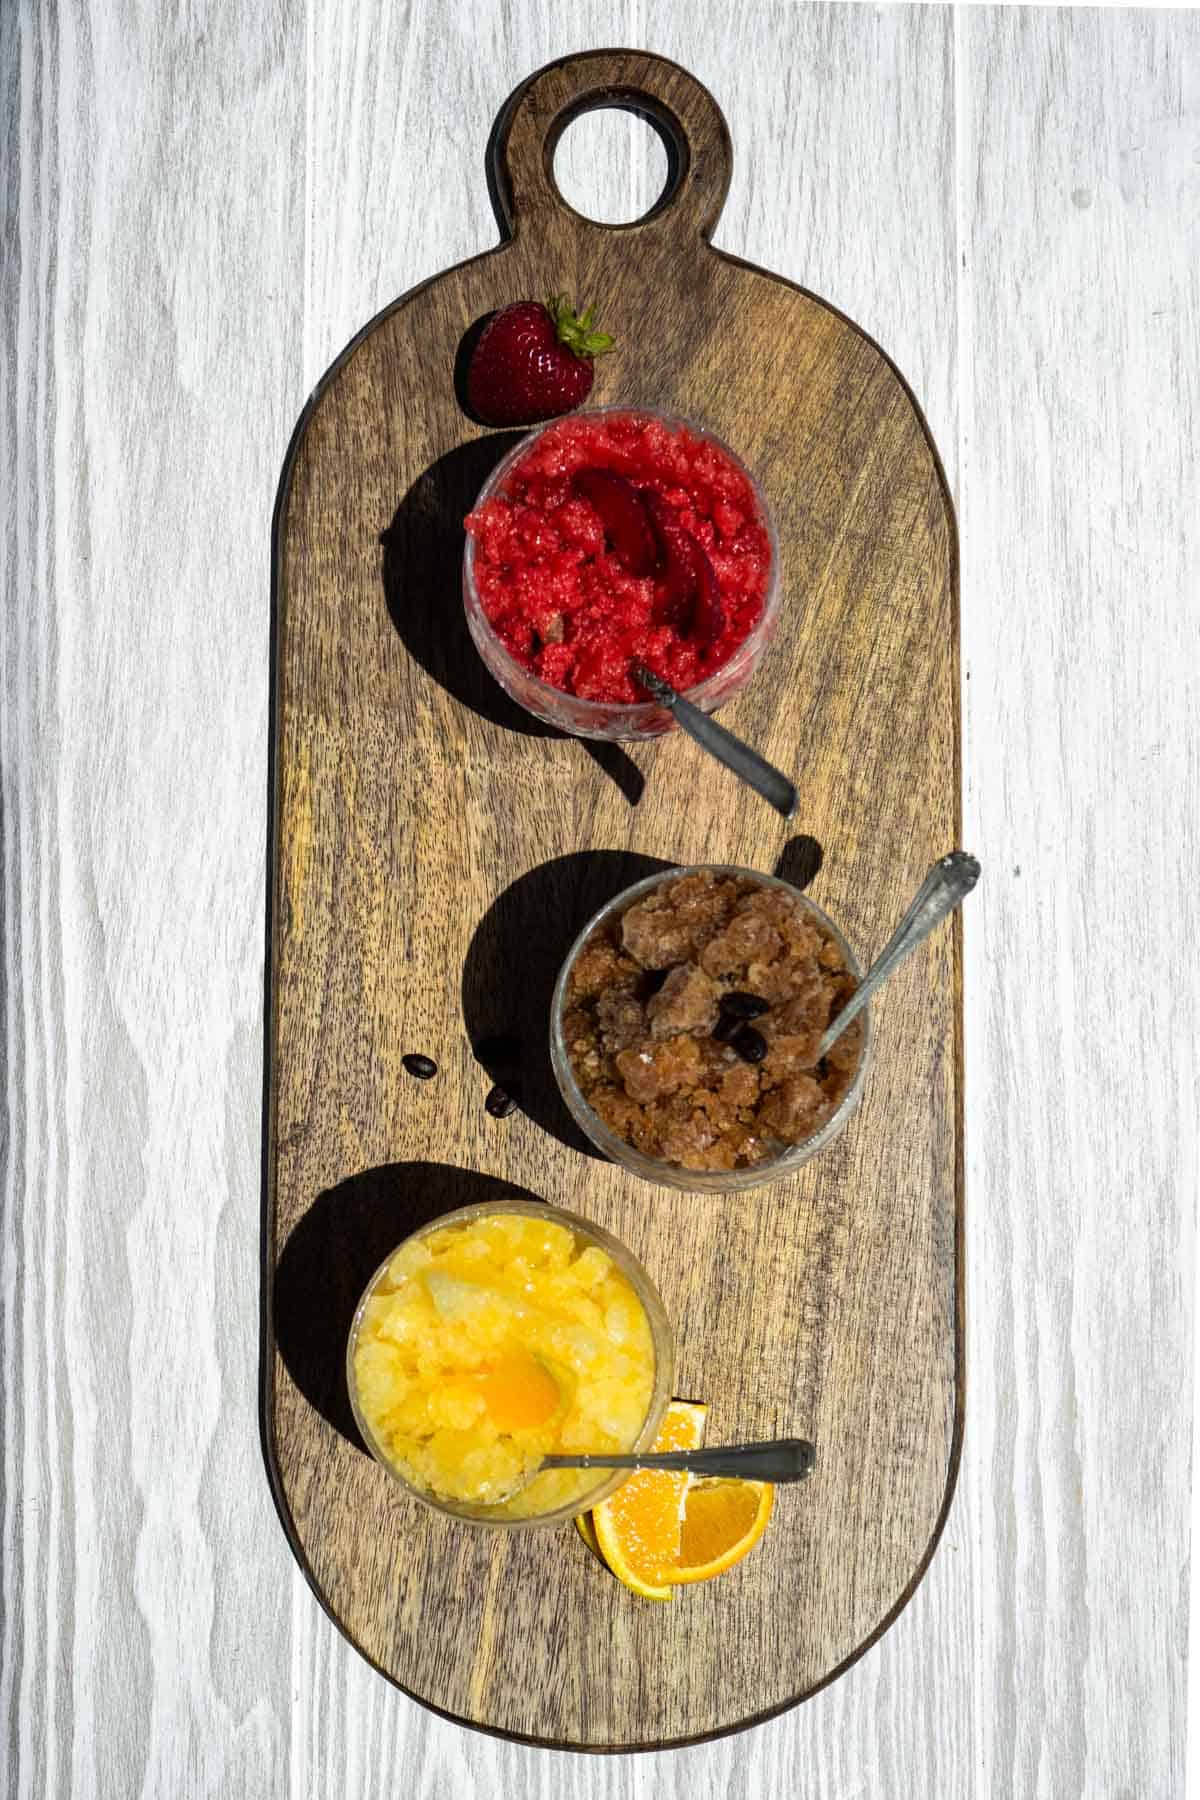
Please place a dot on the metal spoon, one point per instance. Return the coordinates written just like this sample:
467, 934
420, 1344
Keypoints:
745, 763
776, 1459
946, 886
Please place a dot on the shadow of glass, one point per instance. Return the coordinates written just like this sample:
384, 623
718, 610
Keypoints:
333, 1253
422, 580
422, 585
512, 964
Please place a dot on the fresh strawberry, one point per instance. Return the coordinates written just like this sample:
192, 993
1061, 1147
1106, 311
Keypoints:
624, 518
534, 362
691, 594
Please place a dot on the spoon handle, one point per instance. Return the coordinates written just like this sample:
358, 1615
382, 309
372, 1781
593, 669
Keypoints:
778, 1459
946, 886
738, 757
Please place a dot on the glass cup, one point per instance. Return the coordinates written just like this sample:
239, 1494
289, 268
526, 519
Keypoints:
599, 718
662, 1337
666, 1174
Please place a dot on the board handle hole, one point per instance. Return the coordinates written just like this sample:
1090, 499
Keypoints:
615, 164
630, 91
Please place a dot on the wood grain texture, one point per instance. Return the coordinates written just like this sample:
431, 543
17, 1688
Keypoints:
826, 1306
1079, 303
1041, 1654
137, 1654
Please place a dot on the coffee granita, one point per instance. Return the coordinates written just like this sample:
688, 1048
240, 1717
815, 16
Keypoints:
692, 1022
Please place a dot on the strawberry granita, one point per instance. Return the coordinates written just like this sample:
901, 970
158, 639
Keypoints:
619, 537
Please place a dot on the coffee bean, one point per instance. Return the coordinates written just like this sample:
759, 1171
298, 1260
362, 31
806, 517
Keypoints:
726, 1027
744, 1006
499, 1103
423, 1067
750, 1045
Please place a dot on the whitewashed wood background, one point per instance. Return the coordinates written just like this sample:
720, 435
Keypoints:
202, 204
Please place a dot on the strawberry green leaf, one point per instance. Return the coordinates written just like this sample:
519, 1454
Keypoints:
575, 331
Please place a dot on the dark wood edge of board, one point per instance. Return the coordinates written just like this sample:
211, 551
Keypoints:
266, 1382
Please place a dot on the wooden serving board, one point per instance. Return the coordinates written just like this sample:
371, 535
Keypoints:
435, 850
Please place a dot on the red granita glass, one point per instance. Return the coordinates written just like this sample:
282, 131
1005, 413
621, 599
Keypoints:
557, 612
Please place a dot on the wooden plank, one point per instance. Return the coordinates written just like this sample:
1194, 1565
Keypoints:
152, 248
843, 1319
1080, 317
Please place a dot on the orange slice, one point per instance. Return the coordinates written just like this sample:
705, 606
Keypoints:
722, 1522
639, 1528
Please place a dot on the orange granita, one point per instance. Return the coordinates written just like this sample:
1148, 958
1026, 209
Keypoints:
487, 1345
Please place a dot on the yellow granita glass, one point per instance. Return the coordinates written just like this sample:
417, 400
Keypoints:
496, 1336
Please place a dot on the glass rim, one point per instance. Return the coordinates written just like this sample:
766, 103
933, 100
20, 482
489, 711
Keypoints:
633, 712
662, 1339
656, 1169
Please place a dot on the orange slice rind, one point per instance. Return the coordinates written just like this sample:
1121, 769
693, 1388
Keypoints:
587, 1532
